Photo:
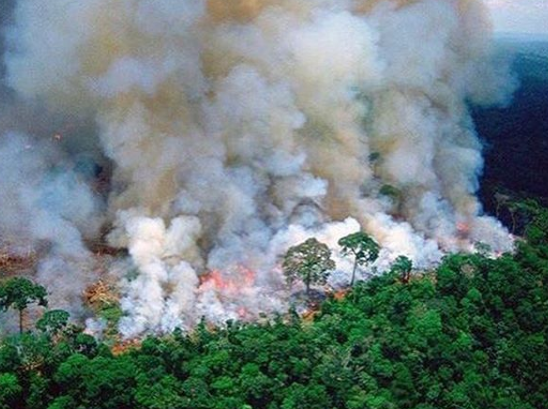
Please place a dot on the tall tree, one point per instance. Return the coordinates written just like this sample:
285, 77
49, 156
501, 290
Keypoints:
363, 247
310, 261
18, 293
403, 265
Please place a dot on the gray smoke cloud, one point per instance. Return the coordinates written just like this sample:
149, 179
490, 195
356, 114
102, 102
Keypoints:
237, 129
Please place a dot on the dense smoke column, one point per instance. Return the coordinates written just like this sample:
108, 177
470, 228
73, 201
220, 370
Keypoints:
238, 128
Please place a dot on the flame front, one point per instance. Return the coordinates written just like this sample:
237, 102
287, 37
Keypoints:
228, 284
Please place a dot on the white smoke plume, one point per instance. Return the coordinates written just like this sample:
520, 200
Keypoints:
47, 205
238, 128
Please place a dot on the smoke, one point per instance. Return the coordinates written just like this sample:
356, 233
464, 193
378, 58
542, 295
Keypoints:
48, 207
236, 129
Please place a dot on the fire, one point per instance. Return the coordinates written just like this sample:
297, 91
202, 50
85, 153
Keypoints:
232, 287
242, 312
125, 346
340, 295
242, 278
214, 279
463, 228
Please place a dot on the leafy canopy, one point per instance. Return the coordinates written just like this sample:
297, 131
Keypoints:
362, 246
53, 321
310, 261
19, 292
403, 266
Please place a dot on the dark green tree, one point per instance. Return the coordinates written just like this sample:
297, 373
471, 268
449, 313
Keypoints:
362, 247
18, 293
310, 261
403, 266
9, 391
52, 322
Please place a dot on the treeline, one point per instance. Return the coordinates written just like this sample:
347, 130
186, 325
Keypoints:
472, 334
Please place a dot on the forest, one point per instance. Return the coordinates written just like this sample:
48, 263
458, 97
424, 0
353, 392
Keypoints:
272, 204
470, 334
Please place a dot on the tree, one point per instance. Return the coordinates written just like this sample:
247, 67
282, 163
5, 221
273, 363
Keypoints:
403, 266
310, 261
364, 249
18, 293
9, 390
53, 321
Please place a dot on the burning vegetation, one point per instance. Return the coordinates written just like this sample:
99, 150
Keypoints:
184, 147
17, 258
376, 345
259, 204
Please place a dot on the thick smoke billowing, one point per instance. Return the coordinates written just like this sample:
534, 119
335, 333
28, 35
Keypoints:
235, 129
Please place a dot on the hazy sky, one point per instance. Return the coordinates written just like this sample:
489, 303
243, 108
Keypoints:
520, 16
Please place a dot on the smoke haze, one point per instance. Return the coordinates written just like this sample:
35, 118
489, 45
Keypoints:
231, 130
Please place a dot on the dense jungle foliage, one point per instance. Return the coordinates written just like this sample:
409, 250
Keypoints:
472, 334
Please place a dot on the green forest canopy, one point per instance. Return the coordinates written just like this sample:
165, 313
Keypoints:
471, 334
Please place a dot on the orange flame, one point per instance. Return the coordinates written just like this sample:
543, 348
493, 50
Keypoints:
242, 312
463, 228
233, 284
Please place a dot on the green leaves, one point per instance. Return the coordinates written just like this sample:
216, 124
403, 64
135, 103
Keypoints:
19, 292
403, 266
310, 261
53, 321
100, 382
364, 249
9, 390
167, 393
